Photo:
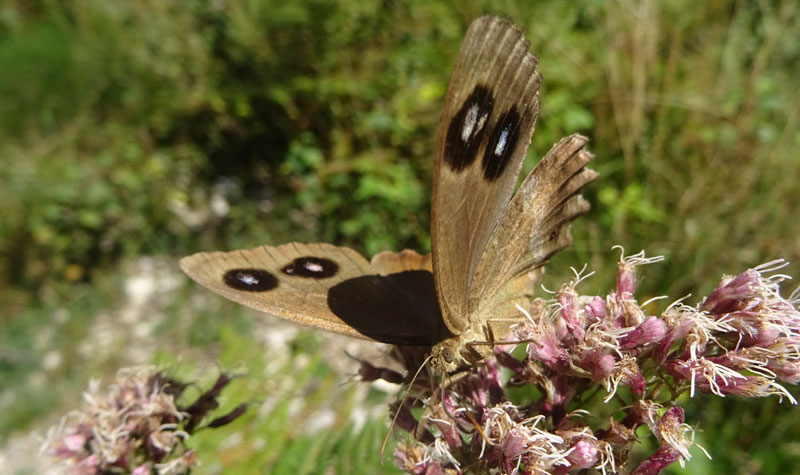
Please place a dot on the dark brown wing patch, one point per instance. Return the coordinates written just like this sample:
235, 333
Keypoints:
311, 267
399, 308
502, 144
465, 132
250, 280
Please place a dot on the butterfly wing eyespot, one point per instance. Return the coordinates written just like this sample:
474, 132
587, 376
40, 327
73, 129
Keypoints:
467, 128
502, 144
250, 280
311, 267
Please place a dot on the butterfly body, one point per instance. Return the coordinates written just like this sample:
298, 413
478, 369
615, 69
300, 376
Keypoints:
489, 245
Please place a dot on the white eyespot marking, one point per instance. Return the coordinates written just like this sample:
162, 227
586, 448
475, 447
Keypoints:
501, 142
469, 122
313, 267
482, 122
473, 122
247, 279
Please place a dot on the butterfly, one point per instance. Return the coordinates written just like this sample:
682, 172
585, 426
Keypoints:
488, 243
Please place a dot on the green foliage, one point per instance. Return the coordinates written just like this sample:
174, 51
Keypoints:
167, 127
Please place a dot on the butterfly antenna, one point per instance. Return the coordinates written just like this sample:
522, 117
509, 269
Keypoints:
444, 385
402, 402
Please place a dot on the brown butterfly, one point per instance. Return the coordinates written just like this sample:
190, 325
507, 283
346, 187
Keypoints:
488, 247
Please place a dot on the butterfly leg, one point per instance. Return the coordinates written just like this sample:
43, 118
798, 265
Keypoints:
495, 326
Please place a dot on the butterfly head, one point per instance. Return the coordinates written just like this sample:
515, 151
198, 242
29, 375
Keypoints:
456, 355
445, 359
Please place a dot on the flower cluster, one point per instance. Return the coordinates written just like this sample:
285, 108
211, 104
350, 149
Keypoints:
135, 426
742, 340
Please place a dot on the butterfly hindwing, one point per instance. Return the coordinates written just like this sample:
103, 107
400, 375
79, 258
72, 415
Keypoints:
534, 226
329, 287
487, 122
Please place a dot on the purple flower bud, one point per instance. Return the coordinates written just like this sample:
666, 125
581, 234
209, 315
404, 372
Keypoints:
71, 446
626, 372
568, 300
679, 327
652, 330
754, 328
549, 351
626, 279
369, 372
595, 310
671, 420
143, 469
89, 465
450, 434
674, 445
514, 445
598, 363
636, 382
584, 454
657, 462
786, 371
748, 386
732, 293
449, 403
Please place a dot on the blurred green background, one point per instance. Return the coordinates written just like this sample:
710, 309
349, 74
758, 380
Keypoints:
133, 133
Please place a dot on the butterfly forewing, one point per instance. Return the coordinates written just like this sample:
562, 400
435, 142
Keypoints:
487, 122
329, 287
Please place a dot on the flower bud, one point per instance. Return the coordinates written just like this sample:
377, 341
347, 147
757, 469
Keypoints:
652, 330
584, 454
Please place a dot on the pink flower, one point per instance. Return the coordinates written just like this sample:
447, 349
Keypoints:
672, 433
598, 363
132, 426
733, 293
585, 454
144, 469
626, 278
568, 300
595, 310
739, 341
652, 330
